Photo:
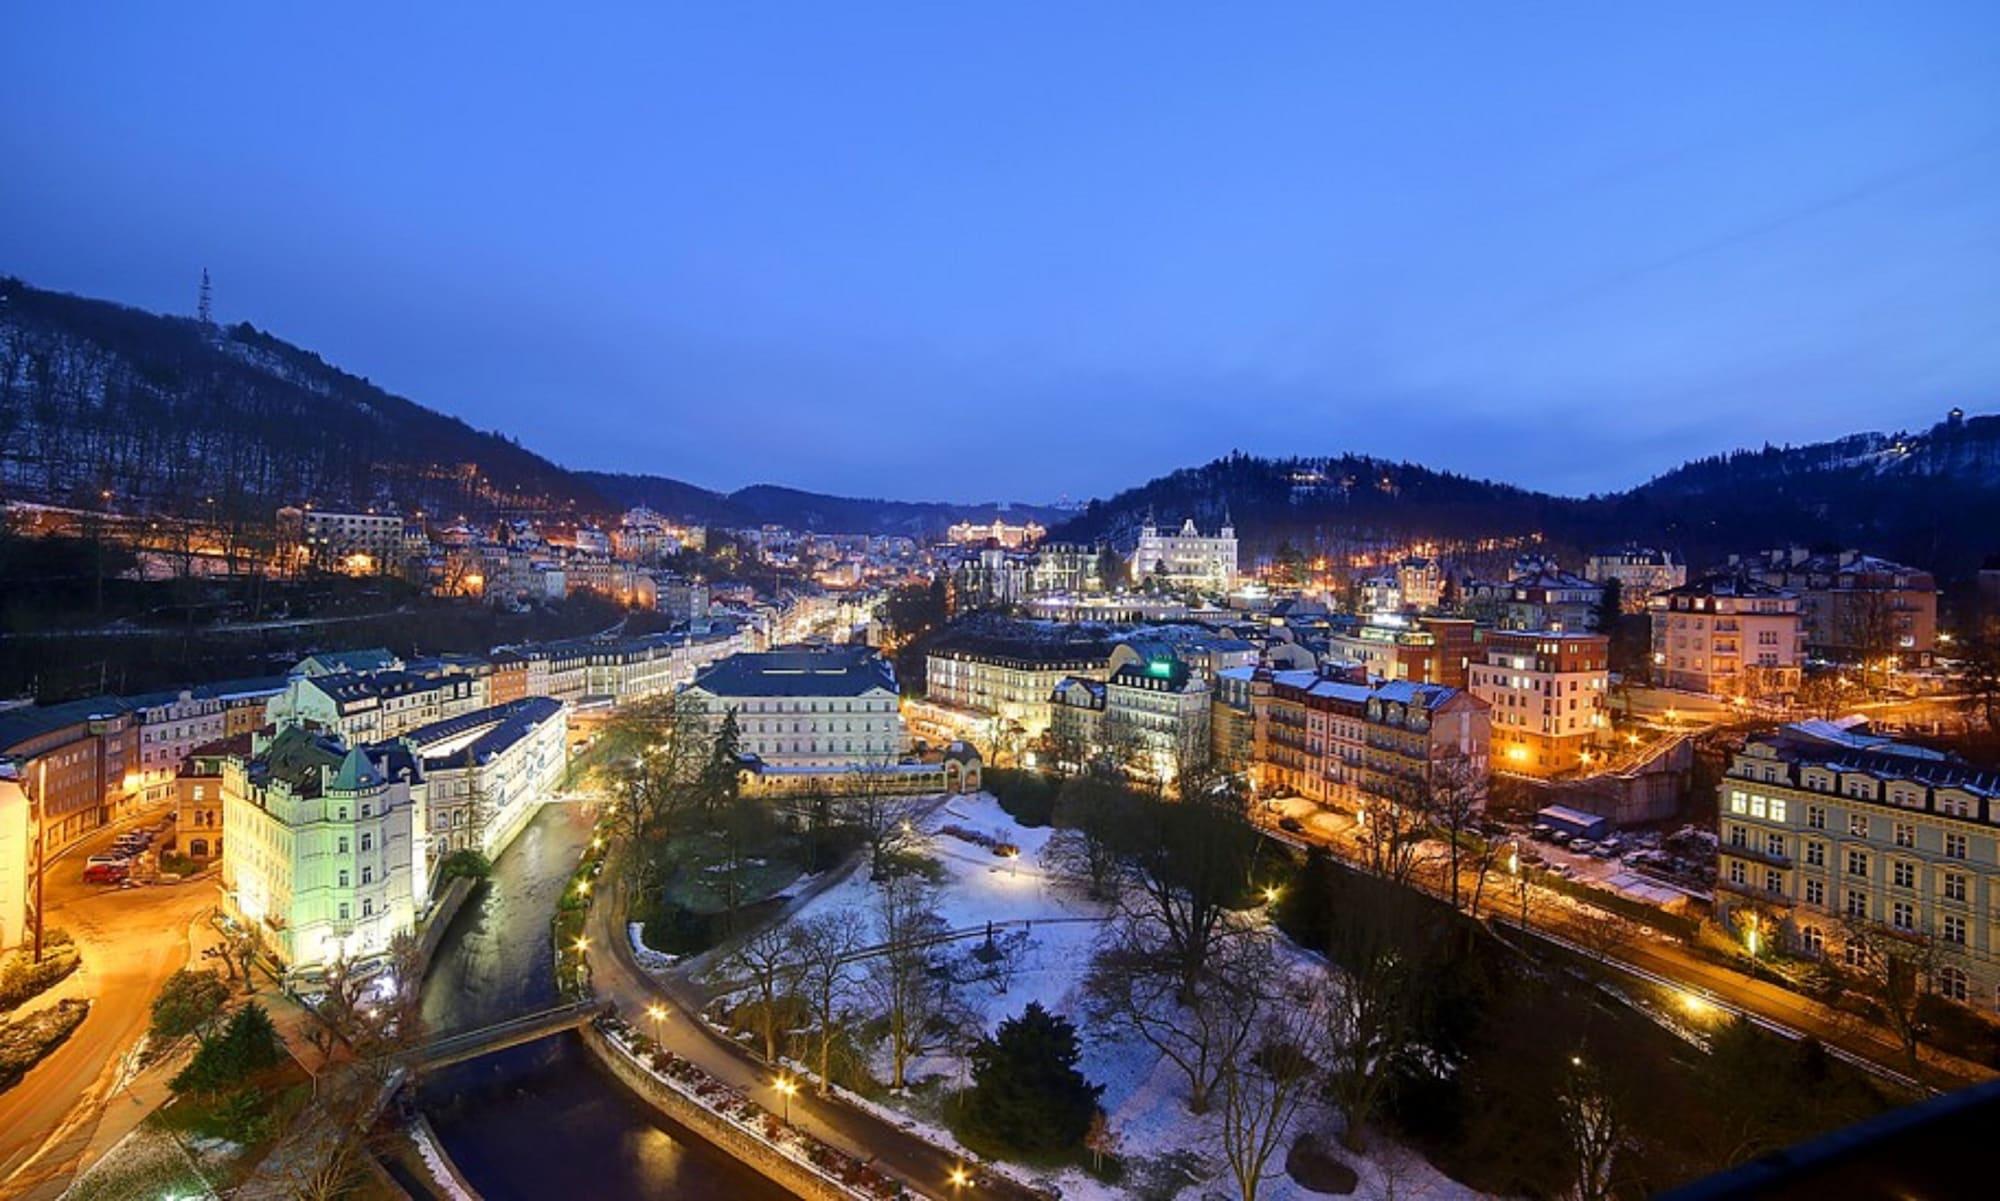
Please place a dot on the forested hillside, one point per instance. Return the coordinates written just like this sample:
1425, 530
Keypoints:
167, 413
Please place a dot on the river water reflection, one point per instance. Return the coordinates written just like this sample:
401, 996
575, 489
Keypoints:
541, 1121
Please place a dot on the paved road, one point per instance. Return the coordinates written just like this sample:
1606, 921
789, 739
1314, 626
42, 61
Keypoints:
617, 976
131, 941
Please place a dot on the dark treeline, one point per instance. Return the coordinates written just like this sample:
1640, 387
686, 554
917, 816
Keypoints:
1931, 499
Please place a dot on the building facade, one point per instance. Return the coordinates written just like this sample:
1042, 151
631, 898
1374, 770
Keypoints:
1186, 558
1640, 571
1548, 694
1844, 844
324, 847
487, 773
807, 707
1856, 606
1728, 635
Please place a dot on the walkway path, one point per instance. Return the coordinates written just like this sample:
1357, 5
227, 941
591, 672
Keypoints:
617, 976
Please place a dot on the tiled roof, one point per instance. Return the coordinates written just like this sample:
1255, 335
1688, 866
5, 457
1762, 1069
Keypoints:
836, 671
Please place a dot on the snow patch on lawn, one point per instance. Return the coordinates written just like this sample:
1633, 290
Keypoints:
1145, 1096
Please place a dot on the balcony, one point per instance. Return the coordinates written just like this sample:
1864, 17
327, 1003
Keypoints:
1755, 855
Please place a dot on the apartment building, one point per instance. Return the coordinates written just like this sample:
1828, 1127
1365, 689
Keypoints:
486, 773
1640, 571
991, 669
1548, 692
1843, 843
171, 725
1339, 740
1856, 606
1728, 635
79, 760
361, 543
1154, 714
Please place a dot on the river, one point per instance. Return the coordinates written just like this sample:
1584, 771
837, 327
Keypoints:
542, 1121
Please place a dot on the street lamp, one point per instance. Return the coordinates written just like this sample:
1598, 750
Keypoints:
959, 1178
582, 943
1271, 895
786, 1086
658, 1015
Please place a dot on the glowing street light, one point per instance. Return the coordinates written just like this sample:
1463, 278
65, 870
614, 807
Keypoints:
960, 1177
657, 1014
1696, 1006
582, 943
583, 888
1271, 895
786, 1086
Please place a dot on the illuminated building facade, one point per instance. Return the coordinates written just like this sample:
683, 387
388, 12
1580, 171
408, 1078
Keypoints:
1728, 635
1187, 558
1845, 844
1548, 694
323, 846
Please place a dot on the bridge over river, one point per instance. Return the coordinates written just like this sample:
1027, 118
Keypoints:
516, 1101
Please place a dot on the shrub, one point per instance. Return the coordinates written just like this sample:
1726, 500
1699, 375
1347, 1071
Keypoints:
23, 1043
22, 978
1028, 797
188, 1001
468, 863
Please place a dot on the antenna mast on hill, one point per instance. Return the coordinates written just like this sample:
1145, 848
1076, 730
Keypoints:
202, 311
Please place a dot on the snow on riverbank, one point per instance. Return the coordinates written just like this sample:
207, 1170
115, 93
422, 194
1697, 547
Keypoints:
1145, 1096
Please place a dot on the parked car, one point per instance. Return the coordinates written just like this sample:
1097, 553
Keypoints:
106, 869
1292, 824
1582, 846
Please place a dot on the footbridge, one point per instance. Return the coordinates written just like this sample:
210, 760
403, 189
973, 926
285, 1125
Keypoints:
471, 1044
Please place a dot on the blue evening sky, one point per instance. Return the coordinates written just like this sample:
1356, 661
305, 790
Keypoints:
1018, 250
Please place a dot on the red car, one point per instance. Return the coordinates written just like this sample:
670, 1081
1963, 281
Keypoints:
106, 869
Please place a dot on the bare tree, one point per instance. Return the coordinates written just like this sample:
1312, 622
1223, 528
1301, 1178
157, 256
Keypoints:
1090, 812
1201, 1028
1384, 941
1186, 867
1391, 832
1896, 972
885, 818
766, 960
1259, 1097
1453, 796
657, 750
899, 981
241, 943
823, 947
1593, 1126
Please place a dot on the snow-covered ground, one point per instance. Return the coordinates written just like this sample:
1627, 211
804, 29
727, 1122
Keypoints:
1145, 1096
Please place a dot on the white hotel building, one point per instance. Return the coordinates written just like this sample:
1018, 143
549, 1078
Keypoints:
807, 706
1187, 559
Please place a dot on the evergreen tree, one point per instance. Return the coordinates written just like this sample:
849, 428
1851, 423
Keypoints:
1304, 910
247, 1045
720, 781
1609, 606
1027, 1095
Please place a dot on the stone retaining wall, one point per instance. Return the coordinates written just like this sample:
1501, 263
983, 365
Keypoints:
766, 1160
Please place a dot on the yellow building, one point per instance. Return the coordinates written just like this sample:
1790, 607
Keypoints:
1841, 843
